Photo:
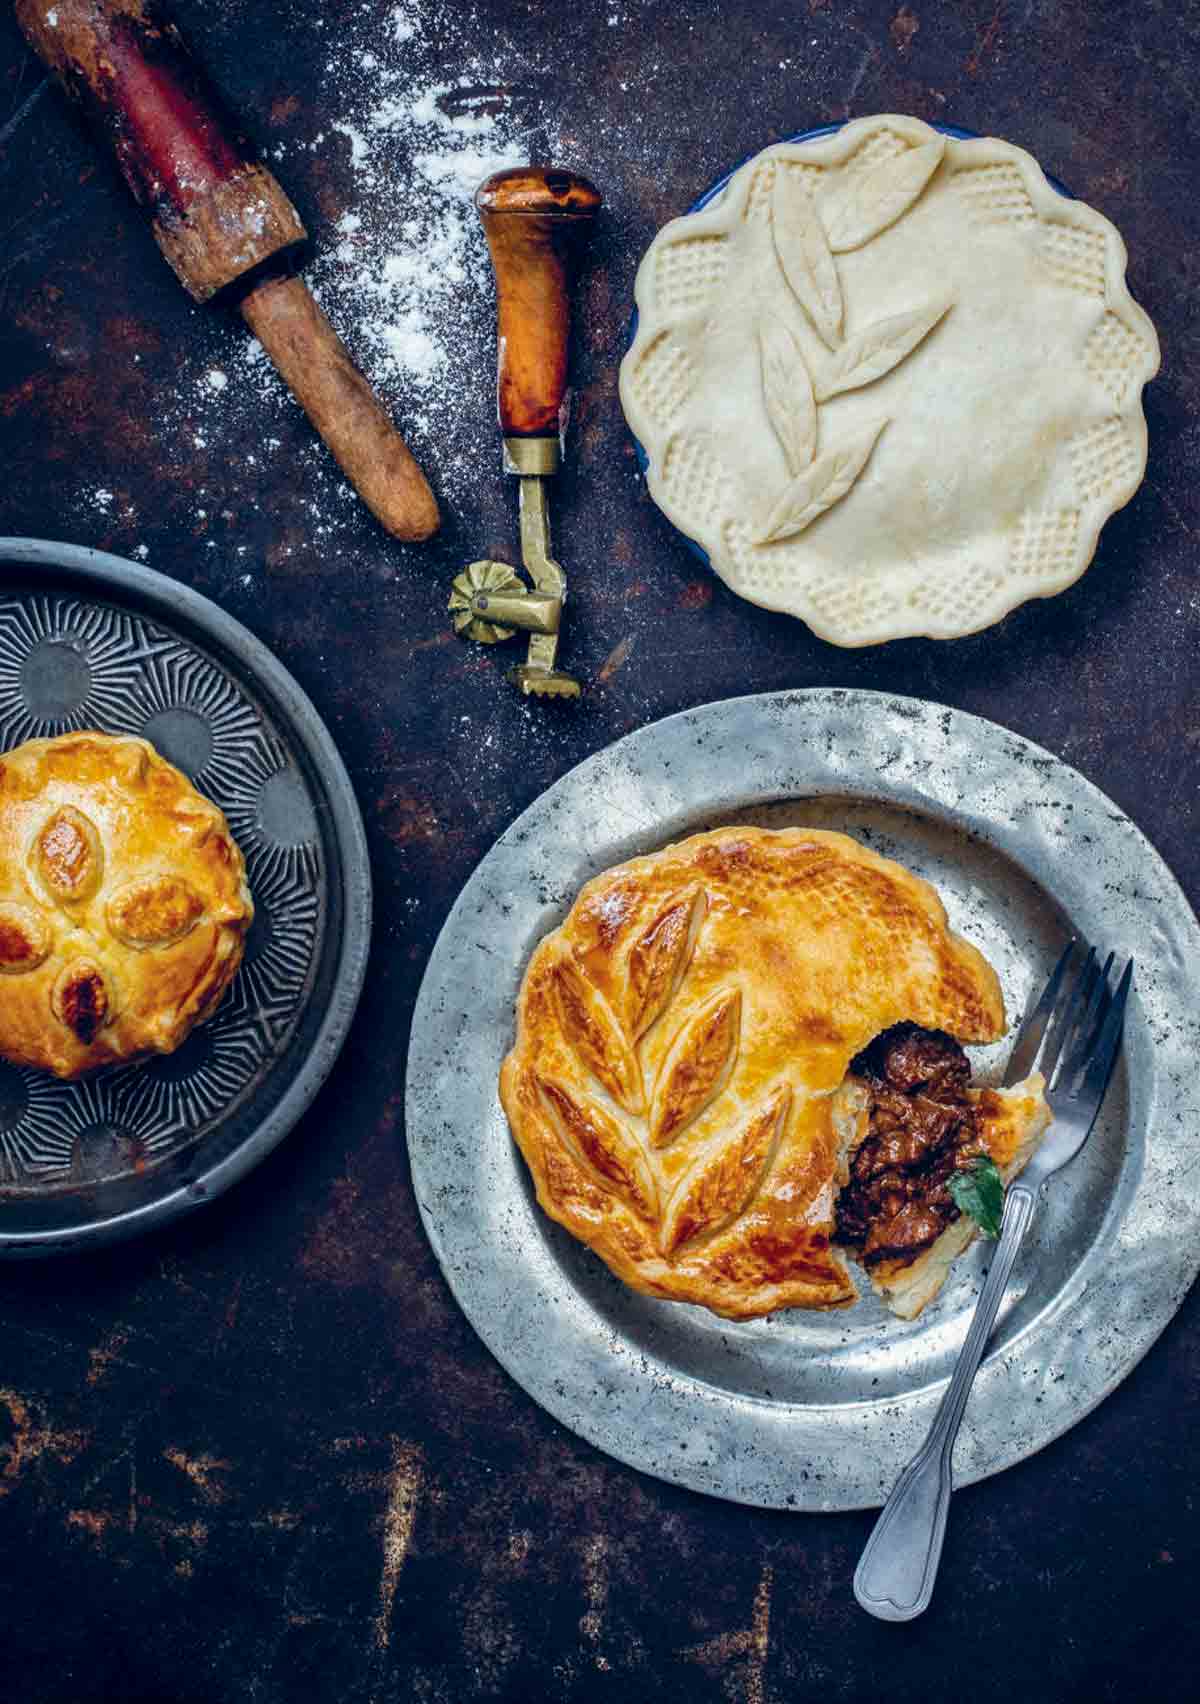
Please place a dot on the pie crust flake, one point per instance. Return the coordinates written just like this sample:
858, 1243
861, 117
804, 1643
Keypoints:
123, 903
890, 381
678, 1085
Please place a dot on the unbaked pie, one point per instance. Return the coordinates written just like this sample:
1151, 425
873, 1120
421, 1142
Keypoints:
890, 381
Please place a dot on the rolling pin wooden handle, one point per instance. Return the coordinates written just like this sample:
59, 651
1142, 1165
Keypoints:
283, 315
532, 217
216, 212
220, 219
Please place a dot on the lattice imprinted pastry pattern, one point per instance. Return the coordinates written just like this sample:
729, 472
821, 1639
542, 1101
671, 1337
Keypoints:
995, 194
1116, 356
771, 572
692, 479
950, 598
857, 608
1043, 546
688, 271
1073, 255
663, 378
1104, 459
758, 198
882, 144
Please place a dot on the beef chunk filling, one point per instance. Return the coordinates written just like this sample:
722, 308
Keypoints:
921, 1130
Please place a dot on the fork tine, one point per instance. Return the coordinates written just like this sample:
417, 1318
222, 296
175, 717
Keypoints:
1066, 1017
1090, 1024
1099, 1066
1024, 1054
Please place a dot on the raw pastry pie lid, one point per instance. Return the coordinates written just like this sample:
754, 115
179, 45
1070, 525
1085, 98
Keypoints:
1046, 547
88, 639
812, 1410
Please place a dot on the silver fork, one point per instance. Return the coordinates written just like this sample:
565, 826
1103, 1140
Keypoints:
1072, 1035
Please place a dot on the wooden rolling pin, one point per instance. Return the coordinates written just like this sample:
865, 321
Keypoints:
219, 217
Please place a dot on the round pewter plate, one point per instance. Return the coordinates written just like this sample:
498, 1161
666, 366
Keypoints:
89, 640
812, 1410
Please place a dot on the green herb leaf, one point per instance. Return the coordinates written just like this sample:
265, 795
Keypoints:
980, 1192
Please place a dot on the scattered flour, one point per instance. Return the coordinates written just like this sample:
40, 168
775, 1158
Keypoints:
416, 105
402, 268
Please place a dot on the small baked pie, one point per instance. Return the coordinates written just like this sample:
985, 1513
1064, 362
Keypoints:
740, 1056
123, 903
890, 381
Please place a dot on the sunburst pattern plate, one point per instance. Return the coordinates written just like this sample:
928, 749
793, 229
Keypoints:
90, 640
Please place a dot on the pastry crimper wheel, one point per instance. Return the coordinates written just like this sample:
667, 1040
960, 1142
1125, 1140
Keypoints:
532, 217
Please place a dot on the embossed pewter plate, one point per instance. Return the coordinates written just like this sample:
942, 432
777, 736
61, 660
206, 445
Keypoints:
88, 640
810, 1410
889, 380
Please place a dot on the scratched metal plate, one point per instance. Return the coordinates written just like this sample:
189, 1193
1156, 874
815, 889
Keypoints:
819, 1411
88, 640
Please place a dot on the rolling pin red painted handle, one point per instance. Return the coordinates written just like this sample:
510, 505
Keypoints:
533, 216
221, 220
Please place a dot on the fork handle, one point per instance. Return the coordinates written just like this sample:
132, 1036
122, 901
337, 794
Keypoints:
895, 1576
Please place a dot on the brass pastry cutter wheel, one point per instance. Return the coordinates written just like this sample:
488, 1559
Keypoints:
533, 217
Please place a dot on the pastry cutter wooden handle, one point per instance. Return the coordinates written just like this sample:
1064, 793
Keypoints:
224, 224
533, 217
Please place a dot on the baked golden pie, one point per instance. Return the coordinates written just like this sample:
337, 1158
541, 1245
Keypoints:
740, 1056
890, 381
123, 903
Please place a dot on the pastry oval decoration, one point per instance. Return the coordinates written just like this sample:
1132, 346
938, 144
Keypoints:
155, 911
69, 855
101, 873
616, 1153
804, 256
610, 1151
819, 487
588, 1025
24, 939
658, 959
82, 1000
863, 359
721, 1185
878, 195
788, 394
804, 251
697, 1067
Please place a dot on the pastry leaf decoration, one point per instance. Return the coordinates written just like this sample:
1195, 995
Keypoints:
857, 208
590, 1027
612, 1152
804, 257
871, 200
721, 1184
612, 1146
788, 393
658, 959
822, 485
697, 1067
863, 359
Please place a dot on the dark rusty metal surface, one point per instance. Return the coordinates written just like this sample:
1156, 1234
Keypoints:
263, 1457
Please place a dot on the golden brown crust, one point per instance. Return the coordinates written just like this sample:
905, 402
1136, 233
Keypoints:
123, 903
679, 1041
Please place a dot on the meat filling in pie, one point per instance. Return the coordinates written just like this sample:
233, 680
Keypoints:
922, 1128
